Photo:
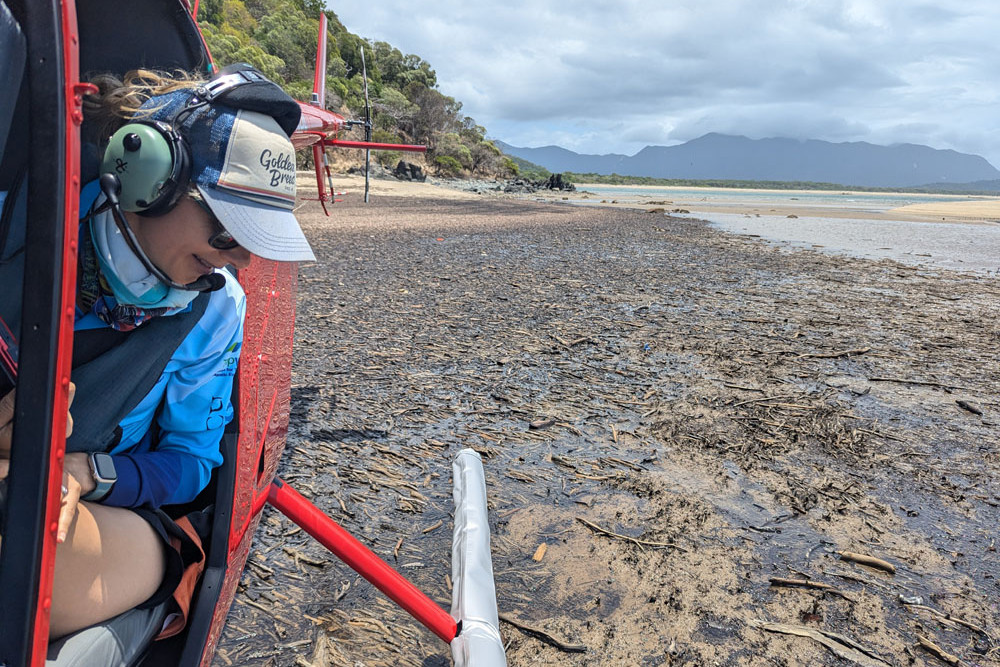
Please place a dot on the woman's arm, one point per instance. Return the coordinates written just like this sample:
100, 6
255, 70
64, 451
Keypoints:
172, 461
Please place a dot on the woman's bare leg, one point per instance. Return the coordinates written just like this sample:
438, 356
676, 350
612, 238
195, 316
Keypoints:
111, 561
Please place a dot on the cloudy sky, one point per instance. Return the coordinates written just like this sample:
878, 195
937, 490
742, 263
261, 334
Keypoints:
603, 76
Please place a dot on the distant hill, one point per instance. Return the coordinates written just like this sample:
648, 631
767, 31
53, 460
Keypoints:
720, 156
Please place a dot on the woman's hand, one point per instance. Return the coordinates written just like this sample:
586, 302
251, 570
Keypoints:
77, 481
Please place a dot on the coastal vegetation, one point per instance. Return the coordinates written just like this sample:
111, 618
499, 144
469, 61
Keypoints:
279, 38
617, 179
529, 170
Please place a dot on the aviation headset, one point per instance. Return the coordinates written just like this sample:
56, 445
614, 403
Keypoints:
151, 163
151, 158
146, 167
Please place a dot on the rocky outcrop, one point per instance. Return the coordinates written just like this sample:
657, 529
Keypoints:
406, 171
557, 182
520, 186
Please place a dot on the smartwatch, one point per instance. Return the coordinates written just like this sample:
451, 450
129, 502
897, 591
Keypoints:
102, 467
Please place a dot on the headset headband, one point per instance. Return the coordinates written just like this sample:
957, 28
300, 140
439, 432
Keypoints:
155, 172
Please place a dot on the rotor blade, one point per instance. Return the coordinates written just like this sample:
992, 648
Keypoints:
375, 146
319, 72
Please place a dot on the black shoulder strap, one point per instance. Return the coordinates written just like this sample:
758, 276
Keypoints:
121, 373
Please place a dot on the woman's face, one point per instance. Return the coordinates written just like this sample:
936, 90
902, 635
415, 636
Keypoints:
177, 243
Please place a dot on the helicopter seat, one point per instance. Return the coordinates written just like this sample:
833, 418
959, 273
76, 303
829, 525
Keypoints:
121, 640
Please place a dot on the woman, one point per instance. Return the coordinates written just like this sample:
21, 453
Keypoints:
200, 176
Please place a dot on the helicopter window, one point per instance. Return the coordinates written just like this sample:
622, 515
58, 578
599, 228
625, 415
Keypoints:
13, 163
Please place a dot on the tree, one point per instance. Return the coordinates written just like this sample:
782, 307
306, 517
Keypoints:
230, 46
437, 112
451, 145
291, 36
279, 38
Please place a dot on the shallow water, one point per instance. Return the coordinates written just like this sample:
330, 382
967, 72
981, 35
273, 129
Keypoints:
933, 244
867, 201
951, 245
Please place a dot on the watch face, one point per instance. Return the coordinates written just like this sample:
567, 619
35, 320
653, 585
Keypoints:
105, 466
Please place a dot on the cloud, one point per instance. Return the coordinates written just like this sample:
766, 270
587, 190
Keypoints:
612, 75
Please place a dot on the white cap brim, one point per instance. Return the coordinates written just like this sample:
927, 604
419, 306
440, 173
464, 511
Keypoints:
266, 231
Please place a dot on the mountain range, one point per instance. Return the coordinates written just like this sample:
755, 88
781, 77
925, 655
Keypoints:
728, 157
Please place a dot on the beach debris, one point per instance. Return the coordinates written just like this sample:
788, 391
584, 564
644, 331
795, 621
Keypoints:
484, 341
970, 407
946, 618
540, 552
320, 654
433, 527
870, 561
924, 383
807, 583
546, 637
937, 651
539, 424
835, 355
841, 645
618, 536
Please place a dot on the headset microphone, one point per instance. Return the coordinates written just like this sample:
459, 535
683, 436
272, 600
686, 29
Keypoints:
111, 187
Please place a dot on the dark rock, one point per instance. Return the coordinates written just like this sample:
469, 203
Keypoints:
520, 186
557, 182
406, 171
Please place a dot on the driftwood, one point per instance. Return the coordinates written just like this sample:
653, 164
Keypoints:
922, 383
870, 561
546, 637
835, 355
970, 407
841, 646
937, 651
618, 536
805, 583
945, 617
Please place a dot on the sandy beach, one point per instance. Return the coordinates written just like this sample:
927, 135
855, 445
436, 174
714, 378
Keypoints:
733, 453
957, 208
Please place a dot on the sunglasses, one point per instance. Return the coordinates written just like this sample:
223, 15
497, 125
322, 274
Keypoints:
221, 239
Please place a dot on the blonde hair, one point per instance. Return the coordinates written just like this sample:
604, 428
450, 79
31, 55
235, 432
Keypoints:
119, 100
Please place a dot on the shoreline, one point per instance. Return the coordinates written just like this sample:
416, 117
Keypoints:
960, 209
958, 234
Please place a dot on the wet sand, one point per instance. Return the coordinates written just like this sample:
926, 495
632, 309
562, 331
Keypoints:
697, 425
957, 208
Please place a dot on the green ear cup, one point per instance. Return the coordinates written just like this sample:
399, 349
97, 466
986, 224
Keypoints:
143, 160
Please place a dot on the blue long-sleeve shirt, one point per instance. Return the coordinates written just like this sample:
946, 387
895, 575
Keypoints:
190, 404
